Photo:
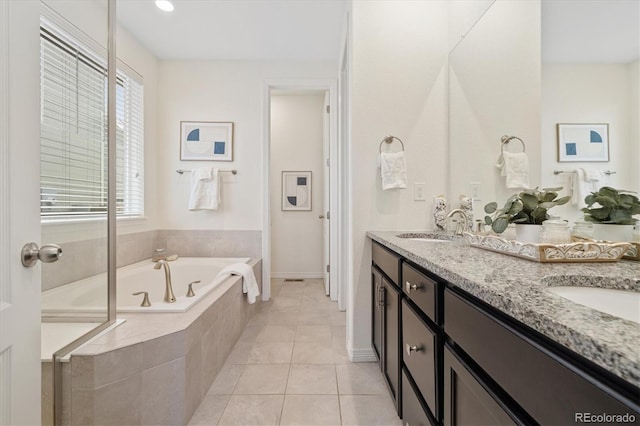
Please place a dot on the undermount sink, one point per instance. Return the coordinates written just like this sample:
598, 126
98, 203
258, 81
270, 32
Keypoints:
619, 303
431, 237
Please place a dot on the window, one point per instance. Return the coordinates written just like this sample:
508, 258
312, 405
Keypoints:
73, 136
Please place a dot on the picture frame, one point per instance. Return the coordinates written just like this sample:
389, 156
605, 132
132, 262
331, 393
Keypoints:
583, 142
206, 141
296, 191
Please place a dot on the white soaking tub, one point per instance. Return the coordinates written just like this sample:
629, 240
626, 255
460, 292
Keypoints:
87, 297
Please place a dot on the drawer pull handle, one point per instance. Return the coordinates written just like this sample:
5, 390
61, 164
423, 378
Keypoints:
408, 286
412, 348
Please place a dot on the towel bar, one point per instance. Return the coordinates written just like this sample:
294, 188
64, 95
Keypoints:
506, 139
233, 172
557, 172
389, 139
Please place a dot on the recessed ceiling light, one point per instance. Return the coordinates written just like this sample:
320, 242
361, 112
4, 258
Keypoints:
165, 5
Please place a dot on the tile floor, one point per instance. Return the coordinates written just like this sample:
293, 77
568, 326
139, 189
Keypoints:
290, 367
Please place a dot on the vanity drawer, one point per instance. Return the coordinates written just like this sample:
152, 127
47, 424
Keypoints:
420, 289
386, 260
412, 412
419, 355
539, 379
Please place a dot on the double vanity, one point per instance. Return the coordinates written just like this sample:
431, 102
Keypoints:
469, 337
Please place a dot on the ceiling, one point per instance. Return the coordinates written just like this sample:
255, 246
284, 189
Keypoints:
307, 30
590, 30
572, 30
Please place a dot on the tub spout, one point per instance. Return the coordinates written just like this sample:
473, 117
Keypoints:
168, 292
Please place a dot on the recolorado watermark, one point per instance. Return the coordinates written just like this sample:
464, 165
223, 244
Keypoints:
604, 418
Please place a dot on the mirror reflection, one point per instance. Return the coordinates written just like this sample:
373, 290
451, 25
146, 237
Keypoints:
523, 68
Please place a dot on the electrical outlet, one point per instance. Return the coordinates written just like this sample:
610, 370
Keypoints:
475, 191
418, 191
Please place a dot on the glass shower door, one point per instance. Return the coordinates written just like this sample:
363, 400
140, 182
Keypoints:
75, 183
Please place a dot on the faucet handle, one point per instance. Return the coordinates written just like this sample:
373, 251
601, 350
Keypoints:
145, 300
190, 292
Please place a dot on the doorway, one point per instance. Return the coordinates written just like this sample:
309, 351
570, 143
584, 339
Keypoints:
300, 135
298, 175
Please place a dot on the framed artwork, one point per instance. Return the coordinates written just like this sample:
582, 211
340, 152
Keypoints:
206, 141
296, 191
583, 142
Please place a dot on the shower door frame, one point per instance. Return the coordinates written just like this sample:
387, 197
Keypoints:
111, 220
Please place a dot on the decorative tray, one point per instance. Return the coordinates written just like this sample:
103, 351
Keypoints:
582, 251
633, 253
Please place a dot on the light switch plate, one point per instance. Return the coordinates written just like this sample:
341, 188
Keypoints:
475, 191
418, 191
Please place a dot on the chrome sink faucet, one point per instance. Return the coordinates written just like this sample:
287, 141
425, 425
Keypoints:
461, 226
168, 292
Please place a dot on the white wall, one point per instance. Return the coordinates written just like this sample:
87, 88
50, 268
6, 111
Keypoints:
218, 91
398, 87
296, 145
591, 93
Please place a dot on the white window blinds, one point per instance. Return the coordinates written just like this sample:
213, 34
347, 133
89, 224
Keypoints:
73, 160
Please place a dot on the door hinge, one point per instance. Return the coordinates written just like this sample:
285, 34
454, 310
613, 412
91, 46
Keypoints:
327, 162
328, 215
328, 109
328, 268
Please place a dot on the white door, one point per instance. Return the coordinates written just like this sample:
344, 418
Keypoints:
326, 194
19, 212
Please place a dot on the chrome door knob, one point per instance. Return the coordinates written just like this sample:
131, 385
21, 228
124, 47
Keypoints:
48, 253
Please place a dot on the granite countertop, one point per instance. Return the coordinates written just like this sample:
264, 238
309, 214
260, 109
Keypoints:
517, 287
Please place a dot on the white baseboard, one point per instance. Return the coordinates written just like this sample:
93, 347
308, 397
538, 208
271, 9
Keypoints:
362, 355
285, 275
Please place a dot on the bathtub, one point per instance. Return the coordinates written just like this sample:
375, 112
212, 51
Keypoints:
87, 297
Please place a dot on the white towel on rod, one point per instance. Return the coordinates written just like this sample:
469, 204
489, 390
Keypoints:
393, 170
205, 189
585, 182
515, 167
249, 283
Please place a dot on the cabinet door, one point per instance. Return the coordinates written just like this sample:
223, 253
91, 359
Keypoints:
391, 338
466, 401
376, 313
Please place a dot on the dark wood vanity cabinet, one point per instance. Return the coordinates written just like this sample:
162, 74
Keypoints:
541, 382
385, 314
451, 359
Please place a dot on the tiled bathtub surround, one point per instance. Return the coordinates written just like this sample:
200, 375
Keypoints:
85, 258
517, 287
156, 368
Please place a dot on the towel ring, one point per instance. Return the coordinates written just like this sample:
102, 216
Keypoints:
389, 139
506, 139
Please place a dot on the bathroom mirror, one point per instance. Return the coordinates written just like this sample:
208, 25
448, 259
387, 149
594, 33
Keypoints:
494, 90
521, 70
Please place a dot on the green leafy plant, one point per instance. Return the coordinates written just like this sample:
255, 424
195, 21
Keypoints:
609, 205
529, 206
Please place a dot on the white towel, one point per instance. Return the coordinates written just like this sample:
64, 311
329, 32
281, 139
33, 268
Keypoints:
515, 167
205, 189
393, 170
249, 283
585, 182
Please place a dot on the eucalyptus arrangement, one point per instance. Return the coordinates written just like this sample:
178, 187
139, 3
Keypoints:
611, 206
528, 207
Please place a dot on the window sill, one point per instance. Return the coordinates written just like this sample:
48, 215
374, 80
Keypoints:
122, 221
